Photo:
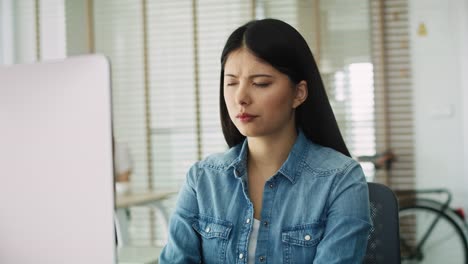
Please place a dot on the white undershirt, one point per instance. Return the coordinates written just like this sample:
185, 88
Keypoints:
253, 242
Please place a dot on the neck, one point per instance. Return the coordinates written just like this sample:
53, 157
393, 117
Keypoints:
270, 152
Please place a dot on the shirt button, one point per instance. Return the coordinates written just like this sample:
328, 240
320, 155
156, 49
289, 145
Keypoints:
272, 185
265, 223
307, 237
262, 258
241, 256
248, 220
207, 229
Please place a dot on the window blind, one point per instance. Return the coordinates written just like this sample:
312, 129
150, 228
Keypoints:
286, 10
390, 39
338, 34
32, 30
119, 33
6, 32
215, 22
345, 60
172, 82
165, 62
171, 50
394, 119
25, 36
172, 95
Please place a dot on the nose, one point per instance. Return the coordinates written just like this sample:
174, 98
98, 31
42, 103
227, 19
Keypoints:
243, 94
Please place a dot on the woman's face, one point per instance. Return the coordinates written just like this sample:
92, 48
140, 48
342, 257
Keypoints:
260, 100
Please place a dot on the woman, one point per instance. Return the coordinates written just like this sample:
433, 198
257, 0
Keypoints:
286, 191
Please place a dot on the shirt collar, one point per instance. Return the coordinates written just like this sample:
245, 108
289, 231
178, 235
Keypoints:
290, 169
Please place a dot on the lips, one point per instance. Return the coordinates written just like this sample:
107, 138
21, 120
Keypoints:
245, 117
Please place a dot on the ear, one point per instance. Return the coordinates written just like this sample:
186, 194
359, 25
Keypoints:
301, 93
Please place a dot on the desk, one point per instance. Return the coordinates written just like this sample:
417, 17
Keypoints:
138, 199
152, 199
139, 255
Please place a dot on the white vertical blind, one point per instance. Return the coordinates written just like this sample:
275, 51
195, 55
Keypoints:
172, 80
172, 94
18, 20
215, 21
118, 34
28, 27
118, 27
183, 49
6, 32
286, 10
340, 41
24, 23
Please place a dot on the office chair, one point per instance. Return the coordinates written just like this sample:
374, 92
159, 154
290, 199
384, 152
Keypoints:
383, 246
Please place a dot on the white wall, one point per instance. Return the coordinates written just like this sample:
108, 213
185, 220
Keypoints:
463, 44
439, 66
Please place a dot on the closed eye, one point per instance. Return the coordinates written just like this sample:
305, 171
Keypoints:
262, 85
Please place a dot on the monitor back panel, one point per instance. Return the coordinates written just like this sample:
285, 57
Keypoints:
56, 183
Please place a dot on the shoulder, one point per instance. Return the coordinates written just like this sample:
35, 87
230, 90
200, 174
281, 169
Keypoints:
221, 161
209, 169
215, 162
341, 175
342, 172
327, 161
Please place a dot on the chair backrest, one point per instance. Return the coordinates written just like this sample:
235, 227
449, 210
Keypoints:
383, 245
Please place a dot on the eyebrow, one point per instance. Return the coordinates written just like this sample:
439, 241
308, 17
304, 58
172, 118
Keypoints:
251, 76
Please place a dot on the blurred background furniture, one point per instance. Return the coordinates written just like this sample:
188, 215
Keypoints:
150, 199
131, 254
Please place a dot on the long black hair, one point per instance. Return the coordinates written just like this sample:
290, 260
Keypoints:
283, 47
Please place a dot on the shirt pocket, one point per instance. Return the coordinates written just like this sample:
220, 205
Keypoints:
214, 235
300, 242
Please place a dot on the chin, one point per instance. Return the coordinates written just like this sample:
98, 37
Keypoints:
251, 132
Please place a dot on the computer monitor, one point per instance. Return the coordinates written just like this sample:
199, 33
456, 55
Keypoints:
56, 174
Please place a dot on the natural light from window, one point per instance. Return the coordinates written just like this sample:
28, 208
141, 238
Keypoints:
361, 114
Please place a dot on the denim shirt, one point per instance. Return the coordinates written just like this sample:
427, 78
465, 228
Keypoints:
315, 210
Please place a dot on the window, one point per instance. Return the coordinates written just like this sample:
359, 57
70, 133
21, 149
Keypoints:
165, 59
165, 62
339, 35
31, 30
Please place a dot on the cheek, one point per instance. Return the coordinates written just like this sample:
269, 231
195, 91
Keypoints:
228, 100
279, 102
